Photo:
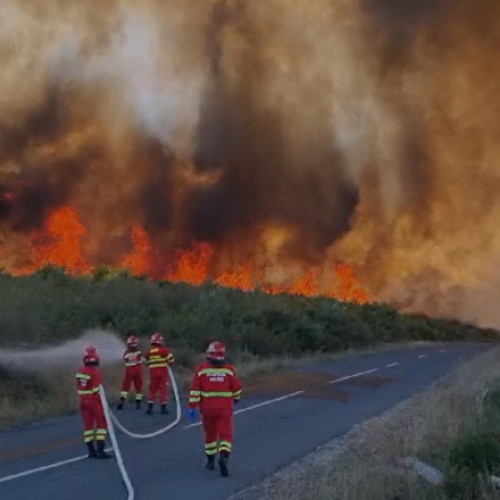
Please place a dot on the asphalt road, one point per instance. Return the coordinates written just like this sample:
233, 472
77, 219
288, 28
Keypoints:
278, 421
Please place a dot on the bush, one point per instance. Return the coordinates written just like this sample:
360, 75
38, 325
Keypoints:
472, 458
51, 306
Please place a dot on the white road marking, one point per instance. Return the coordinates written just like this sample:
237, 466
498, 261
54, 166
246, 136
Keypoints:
442, 350
55, 465
391, 365
422, 356
258, 405
348, 377
45, 467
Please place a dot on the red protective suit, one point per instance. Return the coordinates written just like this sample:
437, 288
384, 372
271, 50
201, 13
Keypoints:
88, 380
214, 389
133, 374
157, 358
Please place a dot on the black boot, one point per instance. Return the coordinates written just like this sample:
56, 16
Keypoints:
164, 409
90, 446
120, 404
138, 404
149, 411
100, 450
223, 458
210, 462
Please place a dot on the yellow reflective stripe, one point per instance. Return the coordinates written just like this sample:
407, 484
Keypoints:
123, 394
101, 431
158, 365
138, 397
83, 375
132, 364
194, 400
237, 394
88, 439
216, 394
95, 390
211, 448
194, 393
88, 433
225, 446
215, 371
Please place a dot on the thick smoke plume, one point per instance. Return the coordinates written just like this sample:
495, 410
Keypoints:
287, 133
66, 355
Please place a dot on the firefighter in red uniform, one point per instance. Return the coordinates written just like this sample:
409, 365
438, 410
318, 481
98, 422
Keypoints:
214, 389
157, 358
88, 380
133, 372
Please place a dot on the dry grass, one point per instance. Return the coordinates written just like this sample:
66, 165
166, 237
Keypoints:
365, 463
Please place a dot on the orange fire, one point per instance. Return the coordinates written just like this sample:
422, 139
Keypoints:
60, 244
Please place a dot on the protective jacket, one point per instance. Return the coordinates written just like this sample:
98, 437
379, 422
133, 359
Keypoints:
88, 380
158, 357
215, 388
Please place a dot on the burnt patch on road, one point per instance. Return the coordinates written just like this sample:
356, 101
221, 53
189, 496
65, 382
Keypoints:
284, 383
315, 386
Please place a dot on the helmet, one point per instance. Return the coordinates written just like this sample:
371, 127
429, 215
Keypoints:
216, 350
157, 338
132, 341
91, 355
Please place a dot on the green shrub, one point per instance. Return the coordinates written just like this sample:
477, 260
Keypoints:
472, 458
51, 306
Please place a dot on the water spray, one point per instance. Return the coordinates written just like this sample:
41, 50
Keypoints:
68, 354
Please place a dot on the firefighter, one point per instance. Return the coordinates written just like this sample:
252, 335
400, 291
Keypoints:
133, 372
88, 380
214, 389
157, 358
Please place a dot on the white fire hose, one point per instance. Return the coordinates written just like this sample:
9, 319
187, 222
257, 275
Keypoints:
111, 418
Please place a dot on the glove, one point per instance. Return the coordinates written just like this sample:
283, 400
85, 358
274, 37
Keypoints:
192, 415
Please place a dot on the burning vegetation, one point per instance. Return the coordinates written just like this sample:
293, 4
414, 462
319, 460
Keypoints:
343, 148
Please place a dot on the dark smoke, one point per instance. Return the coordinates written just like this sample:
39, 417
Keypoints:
288, 133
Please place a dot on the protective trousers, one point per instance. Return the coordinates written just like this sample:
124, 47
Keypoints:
218, 427
133, 377
158, 384
94, 421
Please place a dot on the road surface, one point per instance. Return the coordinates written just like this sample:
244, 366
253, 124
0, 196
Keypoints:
279, 420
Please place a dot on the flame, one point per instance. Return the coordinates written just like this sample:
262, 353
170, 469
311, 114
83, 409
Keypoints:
60, 243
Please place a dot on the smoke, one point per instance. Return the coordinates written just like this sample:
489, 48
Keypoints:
67, 355
285, 133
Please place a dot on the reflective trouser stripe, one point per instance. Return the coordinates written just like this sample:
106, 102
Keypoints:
101, 434
211, 448
123, 394
225, 446
138, 397
88, 436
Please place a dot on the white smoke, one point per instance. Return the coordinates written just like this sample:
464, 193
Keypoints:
68, 354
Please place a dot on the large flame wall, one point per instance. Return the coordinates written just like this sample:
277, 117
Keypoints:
288, 144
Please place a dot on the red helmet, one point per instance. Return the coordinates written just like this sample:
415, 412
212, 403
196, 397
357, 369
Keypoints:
91, 355
157, 338
132, 341
216, 350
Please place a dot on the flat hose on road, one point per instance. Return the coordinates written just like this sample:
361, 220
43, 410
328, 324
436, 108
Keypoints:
110, 418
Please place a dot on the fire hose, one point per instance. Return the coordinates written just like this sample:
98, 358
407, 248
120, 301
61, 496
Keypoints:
111, 418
